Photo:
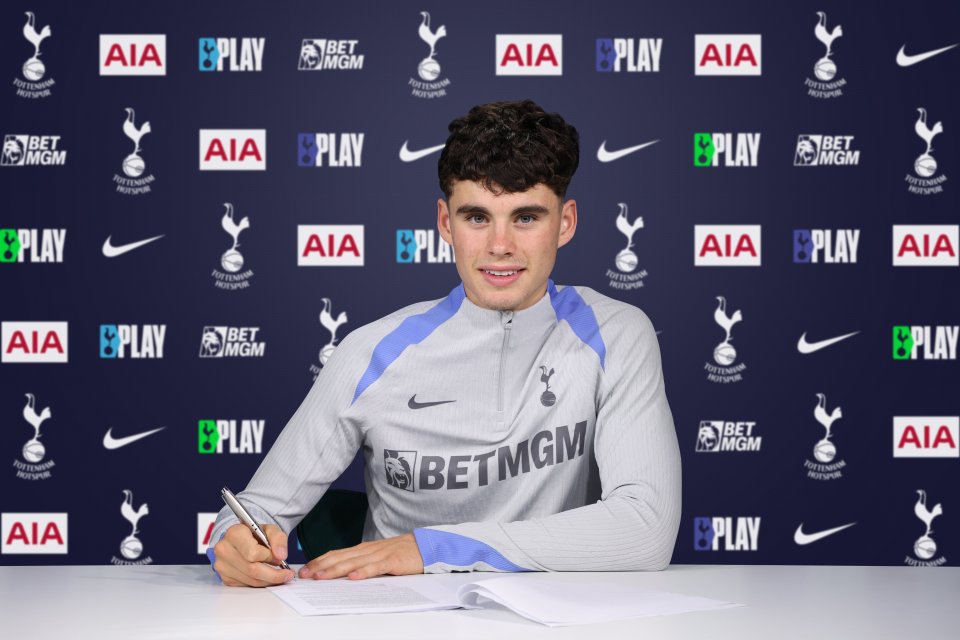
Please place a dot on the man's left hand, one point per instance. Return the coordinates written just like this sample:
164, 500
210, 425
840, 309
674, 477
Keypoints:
397, 556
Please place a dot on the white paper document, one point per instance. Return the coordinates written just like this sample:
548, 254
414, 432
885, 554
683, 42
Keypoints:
550, 599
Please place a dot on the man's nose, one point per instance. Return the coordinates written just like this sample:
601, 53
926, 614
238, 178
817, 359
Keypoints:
501, 241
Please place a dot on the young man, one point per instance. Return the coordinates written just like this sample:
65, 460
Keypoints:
484, 467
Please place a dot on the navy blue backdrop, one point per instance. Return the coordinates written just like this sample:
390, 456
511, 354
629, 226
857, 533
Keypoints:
870, 471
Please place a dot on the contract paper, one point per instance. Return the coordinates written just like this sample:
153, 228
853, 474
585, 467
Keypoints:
548, 599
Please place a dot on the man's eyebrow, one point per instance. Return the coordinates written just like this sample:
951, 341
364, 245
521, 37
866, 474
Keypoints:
472, 209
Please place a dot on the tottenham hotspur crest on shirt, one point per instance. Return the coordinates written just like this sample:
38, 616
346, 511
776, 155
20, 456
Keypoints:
399, 466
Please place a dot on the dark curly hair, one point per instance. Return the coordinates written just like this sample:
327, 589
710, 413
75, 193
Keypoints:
510, 147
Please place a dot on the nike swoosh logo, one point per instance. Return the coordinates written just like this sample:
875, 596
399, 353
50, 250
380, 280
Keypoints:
905, 61
409, 156
809, 347
112, 252
413, 404
609, 156
110, 442
802, 538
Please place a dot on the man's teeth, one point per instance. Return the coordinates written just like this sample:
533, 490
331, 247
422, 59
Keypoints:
500, 273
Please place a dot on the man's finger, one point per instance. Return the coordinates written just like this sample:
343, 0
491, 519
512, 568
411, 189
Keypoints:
346, 566
267, 574
331, 558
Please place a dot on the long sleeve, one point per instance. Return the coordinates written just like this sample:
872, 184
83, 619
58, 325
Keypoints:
634, 526
317, 444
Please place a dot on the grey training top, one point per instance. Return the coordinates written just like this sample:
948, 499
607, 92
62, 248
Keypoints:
484, 432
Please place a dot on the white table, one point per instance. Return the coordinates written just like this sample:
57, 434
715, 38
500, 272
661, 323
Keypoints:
166, 601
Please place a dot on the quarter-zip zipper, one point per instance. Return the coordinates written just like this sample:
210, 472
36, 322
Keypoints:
506, 318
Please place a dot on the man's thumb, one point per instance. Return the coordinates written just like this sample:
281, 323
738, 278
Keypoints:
277, 539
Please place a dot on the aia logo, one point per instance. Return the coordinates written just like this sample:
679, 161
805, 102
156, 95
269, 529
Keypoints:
529, 55
129, 55
726, 245
727, 55
926, 437
33, 533
322, 245
205, 523
233, 149
931, 245
34, 341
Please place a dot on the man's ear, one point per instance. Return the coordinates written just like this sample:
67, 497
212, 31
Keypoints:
568, 222
443, 221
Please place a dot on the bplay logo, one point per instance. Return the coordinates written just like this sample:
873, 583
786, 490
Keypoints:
925, 342
241, 436
41, 342
133, 55
231, 342
321, 54
32, 245
133, 165
715, 436
815, 150
733, 149
422, 245
930, 245
626, 276
926, 182
726, 245
233, 149
724, 354
23, 150
529, 55
331, 325
430, 85
33, 68
926, 436
33, 450
132, 341
824, 451
735, 534
329, 149
205, 522
34, 533
826, 246
232, 278
633, 55
231, 54
826, 85
727, 55
320, 245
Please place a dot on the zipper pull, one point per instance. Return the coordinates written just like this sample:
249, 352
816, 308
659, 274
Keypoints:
506, 317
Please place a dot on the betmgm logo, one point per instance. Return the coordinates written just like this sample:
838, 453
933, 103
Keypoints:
318, 54
226, 342
717, 435
23, 150
819, 150
399, 466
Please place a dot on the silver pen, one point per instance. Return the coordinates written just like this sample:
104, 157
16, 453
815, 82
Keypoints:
246, 519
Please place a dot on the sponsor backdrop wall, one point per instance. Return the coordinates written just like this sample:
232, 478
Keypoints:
200, 201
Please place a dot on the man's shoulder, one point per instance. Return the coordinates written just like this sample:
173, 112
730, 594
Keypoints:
370, 334
610, 312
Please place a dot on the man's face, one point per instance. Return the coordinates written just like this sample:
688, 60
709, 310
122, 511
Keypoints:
506, 244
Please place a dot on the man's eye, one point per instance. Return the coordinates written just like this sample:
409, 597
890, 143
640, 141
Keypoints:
526, 219
477, 219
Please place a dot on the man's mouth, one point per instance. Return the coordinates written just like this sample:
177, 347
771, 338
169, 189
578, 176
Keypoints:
501, 276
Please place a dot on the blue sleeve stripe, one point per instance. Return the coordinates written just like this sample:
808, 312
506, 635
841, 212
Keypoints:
569, 306
412, 330
212, 557
458, 551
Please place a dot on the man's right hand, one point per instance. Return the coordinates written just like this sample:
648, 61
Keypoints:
240, 558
